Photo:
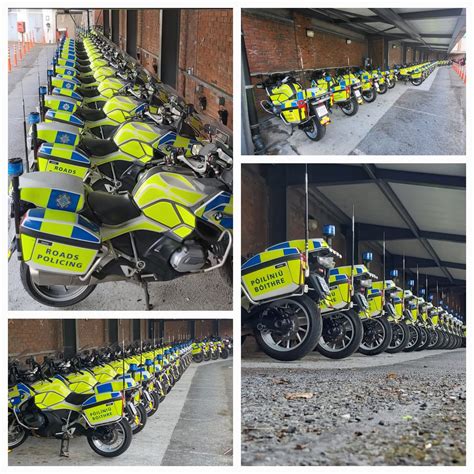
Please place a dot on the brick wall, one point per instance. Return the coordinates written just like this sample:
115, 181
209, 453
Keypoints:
205, 47
226, 327
254, 211
123, 29
99, 17
203, 328
410, 55
376, 51
34, 336
91, 332
149, 38
276, 45
395, 55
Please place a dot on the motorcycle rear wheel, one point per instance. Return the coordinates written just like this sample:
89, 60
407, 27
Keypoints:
415, 338
307, 320
314, 130
400, 338
342, 335
377, 336
57, 296
369, 96
351, 107
114, 440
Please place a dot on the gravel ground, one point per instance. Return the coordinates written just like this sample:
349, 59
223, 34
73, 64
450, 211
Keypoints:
410, 413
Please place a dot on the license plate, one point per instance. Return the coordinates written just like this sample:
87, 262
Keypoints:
357, 93
321, 110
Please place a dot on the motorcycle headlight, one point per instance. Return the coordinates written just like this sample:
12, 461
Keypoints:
196, 149
367, 283
326, 262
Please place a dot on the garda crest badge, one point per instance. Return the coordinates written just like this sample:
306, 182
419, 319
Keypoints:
63, 138
63, 201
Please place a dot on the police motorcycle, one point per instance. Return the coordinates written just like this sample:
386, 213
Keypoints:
307, 109
45, 407
341, 91
69, 238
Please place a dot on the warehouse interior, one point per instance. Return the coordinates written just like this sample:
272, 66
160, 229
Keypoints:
420, 209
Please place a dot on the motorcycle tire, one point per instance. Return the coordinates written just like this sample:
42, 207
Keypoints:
198, 358
332, 335
434, 336
400, 338
369, 96
224, 354
21, 433
136, 428
311, 337
425, 339
226, 272
416, 82
441, 339
384, 335
215, 356
391, 84
121, 426
314, 130
415, 338
383, 88
43, 294
350, 108
151, 410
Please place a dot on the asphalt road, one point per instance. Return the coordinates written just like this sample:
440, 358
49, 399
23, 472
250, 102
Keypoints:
411, 411
426, 120
193, 426
193, 292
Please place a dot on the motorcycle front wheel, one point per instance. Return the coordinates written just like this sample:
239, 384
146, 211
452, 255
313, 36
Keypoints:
342, 335
198, 358
58, 296
314, 130
415, 339
224, 354
111, 440
302, 335
383, 88
16, 433
416, 82
137, 424
391, 83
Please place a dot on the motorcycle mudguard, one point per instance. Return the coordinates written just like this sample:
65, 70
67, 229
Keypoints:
61, 133
50, 190
103, 408
63, 159
59, 241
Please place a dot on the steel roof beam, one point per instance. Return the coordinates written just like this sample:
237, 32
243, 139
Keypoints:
459, 30
413, 262
393, 18
376, 232
403, 213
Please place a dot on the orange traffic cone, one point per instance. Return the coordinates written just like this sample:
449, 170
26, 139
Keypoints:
9, 61
20, 51
15, 59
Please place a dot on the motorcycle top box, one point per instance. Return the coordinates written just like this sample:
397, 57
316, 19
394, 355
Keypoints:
59, 241
273, 274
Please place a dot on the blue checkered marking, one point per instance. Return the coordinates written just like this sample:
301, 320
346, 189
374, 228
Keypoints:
74, 119
65, 138
81, 234
56, 194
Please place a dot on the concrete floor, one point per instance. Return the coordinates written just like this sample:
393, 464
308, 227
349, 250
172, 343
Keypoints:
193, 292
400, 409
193, 426
407, 120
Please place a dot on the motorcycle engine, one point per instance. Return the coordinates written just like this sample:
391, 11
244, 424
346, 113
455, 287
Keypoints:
188, 258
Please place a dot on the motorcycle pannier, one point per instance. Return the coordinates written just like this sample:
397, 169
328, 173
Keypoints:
63, 159
59, 241
273, 274
103, 408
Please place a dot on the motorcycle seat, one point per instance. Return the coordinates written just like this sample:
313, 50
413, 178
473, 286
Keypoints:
88, 79
82, 68
90, 115
88, 91
98, 146
112, 209
77, 398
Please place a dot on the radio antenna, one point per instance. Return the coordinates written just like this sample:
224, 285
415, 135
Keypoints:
353, 249
25, 131
306, 221
383, 287
403, 281
418, 281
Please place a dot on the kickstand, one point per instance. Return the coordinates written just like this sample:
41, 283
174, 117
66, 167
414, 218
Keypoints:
64, 451
147, 296
292, 130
